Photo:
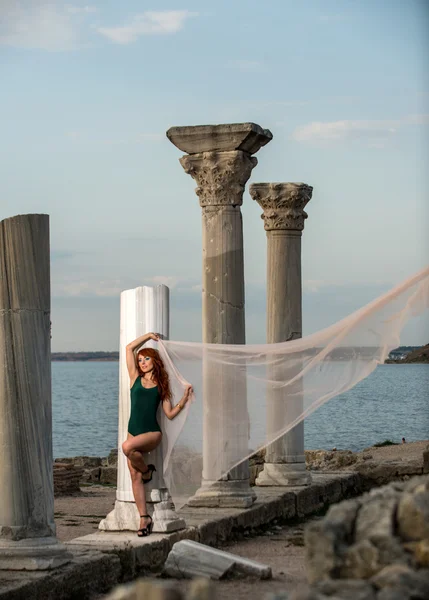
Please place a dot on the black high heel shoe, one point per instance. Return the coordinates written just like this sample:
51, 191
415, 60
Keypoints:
145, 531
150, 469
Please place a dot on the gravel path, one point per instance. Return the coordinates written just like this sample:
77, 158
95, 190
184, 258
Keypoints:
80, 514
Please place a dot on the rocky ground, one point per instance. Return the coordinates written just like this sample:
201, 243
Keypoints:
377, 466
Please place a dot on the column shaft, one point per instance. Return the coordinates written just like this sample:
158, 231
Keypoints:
284, 322
143, 309
284, 215
220, 160
27, 528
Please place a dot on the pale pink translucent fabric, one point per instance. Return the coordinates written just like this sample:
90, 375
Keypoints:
247, 396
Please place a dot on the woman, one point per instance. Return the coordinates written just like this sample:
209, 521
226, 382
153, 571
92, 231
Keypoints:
150, 386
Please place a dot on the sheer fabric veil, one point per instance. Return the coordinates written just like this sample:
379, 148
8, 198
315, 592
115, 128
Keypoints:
282, 383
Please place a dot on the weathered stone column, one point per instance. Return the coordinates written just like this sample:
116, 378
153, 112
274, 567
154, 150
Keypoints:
27, 528
143, 309
283, 205
220, 160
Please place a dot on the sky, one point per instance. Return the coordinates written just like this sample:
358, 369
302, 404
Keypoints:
88, 90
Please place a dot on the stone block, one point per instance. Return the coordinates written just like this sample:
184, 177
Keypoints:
247, 137
67, 478
400, 577
426, 460
377, 474
360, 561
413, 515
88, 574
87, 461
112, 459
109, 475
351, 485
254, 471
421, 553
352, 589
189, 559
32, 554
392, 594
327, 540
376, 523
91, 475
316, 497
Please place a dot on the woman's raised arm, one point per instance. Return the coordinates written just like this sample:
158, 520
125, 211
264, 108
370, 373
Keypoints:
131, 359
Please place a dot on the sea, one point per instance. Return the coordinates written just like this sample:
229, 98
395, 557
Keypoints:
392, 403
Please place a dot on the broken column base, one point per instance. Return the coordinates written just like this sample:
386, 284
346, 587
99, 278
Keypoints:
33, 554
284, 474
231, 493
125, 516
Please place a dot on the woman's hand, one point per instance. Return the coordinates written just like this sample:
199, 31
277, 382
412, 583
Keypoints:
153, 336
186, 394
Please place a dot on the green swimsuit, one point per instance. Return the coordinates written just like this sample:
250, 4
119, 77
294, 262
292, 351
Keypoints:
144, 404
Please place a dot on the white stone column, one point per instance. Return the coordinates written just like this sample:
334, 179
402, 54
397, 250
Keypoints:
27, 529
220, 160
283, 205
143, 309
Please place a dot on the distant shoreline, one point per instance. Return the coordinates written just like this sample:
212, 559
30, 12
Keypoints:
85, 356
403, 355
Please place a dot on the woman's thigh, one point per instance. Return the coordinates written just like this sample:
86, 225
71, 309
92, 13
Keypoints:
144, 442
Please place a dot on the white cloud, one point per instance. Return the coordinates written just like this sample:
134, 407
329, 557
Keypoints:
147, 23
374, 132
40, 24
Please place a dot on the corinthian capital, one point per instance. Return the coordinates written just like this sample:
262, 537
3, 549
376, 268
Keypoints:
283, 204
221, 176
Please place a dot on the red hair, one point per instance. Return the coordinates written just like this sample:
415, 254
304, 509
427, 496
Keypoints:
159, 374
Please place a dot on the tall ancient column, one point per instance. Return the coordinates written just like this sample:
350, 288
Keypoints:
220, 160
27, 529
283, 205
143, 309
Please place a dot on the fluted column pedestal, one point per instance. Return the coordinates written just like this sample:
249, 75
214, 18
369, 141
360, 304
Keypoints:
143, 309
283, 205
27, 529
220, 160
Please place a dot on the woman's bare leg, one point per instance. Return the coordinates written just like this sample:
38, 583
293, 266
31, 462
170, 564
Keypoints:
136, 445
139, 493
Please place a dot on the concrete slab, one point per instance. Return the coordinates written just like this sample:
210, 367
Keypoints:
189, 559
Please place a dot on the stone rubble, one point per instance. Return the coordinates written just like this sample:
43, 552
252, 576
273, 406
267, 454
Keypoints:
375, 547
67, 478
